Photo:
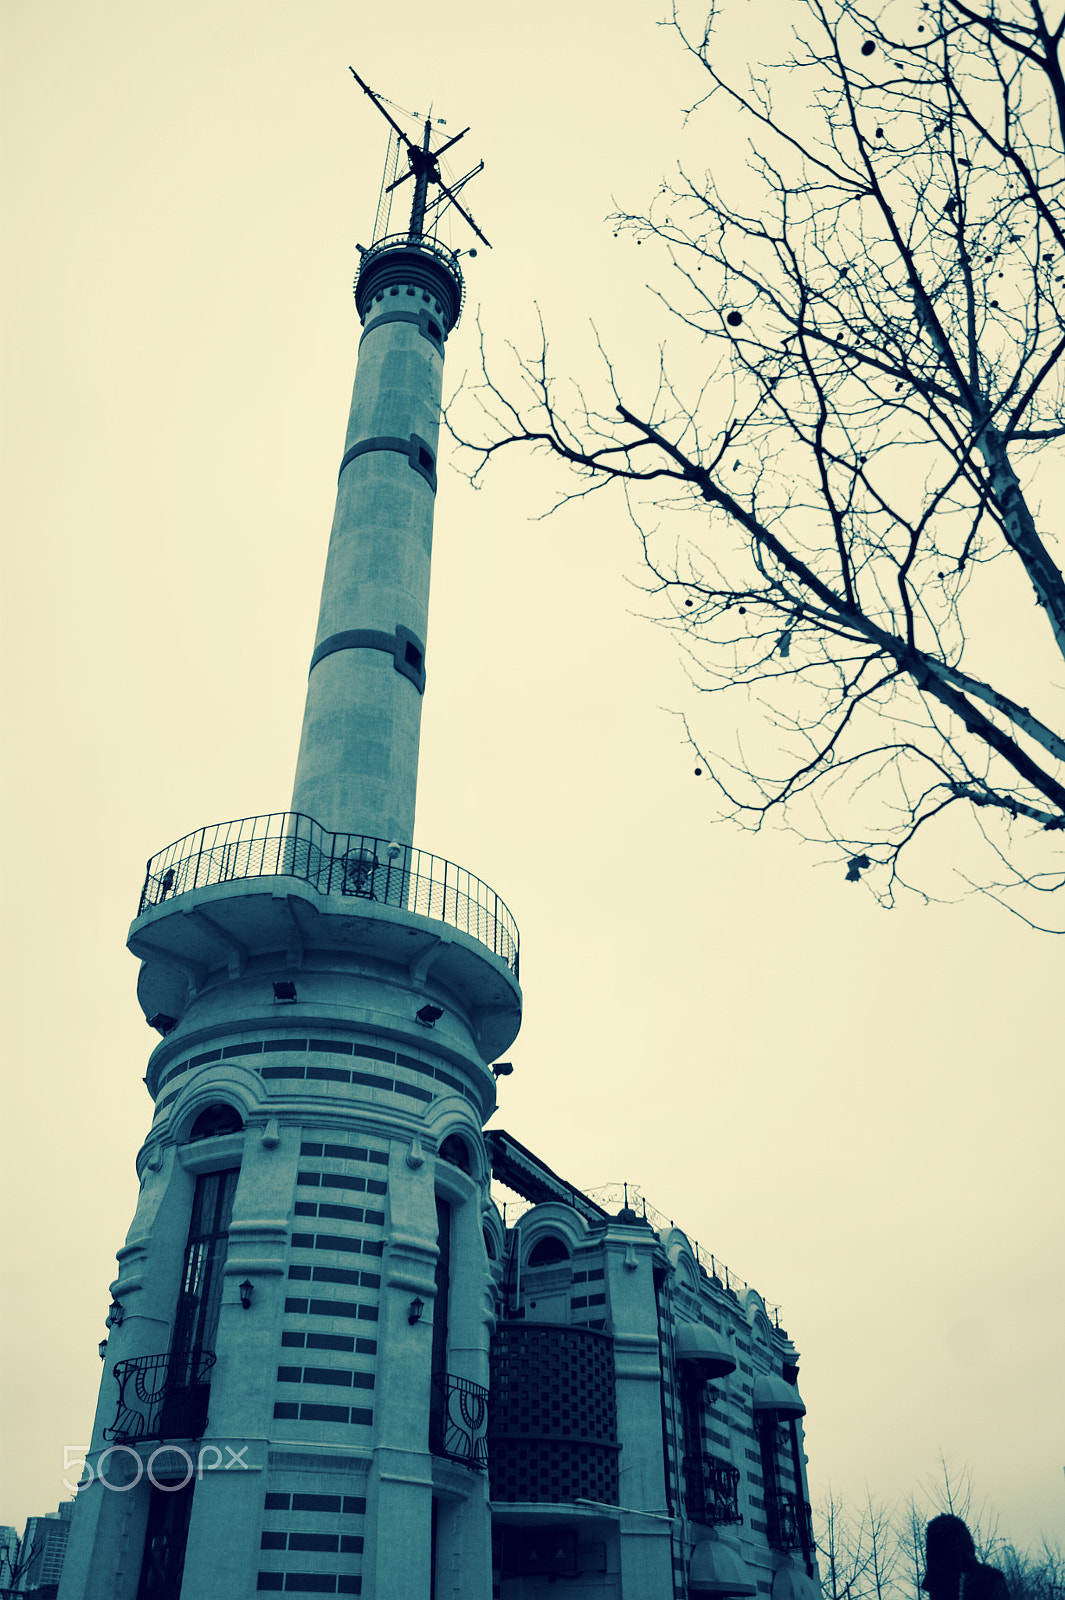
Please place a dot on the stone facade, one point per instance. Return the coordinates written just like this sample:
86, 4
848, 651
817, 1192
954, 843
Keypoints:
644, 1419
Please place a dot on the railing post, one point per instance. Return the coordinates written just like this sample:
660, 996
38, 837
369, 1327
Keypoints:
199, 857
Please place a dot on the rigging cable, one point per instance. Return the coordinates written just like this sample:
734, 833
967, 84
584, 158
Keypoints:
384, 199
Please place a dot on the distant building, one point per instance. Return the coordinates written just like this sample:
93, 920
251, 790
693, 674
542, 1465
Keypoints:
331, 1370
9, 1545
41, 1554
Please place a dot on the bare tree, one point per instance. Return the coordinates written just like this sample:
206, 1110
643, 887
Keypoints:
951, 1491
1033, 1575
871, 321
879, 1553
858, 1553
832, 1552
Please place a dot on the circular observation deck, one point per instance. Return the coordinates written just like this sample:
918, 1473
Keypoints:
237, 892
413, 261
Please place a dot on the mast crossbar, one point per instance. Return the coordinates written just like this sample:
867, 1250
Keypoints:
424, 168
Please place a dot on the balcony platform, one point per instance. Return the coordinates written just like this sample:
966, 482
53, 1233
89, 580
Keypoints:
278, 888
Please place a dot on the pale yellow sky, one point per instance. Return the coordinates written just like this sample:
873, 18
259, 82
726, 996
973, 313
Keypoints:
859, 1112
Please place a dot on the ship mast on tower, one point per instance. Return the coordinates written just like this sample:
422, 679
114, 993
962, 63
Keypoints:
424, 168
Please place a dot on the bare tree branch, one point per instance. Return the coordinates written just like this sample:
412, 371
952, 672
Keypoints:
874, 333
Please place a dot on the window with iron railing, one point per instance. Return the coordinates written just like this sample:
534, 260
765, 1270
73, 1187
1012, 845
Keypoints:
458, 1421
790, 1521
711, 1490
165, 1396
162, 1398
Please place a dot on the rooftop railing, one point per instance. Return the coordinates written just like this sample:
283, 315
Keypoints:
413, 241
287, 844
610, 1196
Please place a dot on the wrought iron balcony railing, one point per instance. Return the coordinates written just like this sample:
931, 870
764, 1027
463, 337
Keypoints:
286, 844
711, 1490
161, 1397
458, 1421
790, 1521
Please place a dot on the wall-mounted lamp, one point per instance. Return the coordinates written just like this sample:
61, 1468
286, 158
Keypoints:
115, 1314
246, 1290
103, 1349
417, 1306
285, 992
429, 1015
502, 1069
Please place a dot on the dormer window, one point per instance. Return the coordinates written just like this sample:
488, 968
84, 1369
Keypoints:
456, 1152
548, 1251
214, 1121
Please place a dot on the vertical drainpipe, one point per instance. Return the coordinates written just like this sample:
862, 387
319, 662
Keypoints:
800, 1490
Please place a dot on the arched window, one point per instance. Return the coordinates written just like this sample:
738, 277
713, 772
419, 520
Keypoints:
549, 1250
456, 1152
215, 1120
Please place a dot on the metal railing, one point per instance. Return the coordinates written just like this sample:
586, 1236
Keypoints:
458, 1421
711, 1490
610, 1195
287, 844
393, 243
162, 1397
790, 1521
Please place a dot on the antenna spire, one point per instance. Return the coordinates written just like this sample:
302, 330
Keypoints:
424, 168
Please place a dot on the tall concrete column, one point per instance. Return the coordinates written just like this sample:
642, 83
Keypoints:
358, 761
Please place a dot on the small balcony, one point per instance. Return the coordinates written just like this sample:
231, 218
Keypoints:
790, 1522
161, 1397
458, 1421
711, 1490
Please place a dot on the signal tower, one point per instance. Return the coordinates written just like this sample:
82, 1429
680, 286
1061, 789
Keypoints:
295, 1384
